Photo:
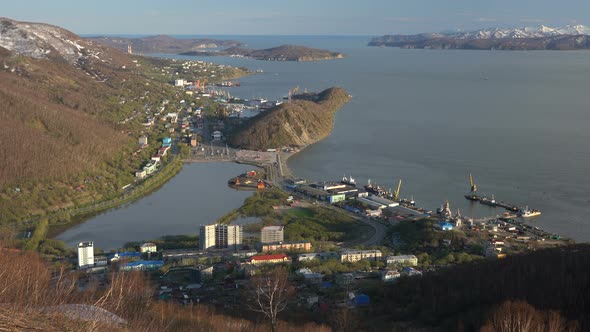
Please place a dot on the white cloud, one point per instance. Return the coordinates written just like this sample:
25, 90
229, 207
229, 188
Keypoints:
531, 20
485, 19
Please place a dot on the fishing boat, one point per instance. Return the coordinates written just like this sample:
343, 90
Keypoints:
526, 213
348, 180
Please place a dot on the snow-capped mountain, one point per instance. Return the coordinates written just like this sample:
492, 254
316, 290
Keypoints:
526, 32
570, 37
39, 40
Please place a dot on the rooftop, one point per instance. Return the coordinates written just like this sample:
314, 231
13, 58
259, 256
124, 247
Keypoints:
273, 228
401, 257
269, 257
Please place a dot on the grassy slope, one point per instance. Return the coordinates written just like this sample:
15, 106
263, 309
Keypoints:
299, 123
59, 130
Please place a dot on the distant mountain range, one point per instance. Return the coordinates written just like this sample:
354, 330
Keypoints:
570, 37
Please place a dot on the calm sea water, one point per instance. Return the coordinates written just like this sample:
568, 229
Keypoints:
517, 120
197, 195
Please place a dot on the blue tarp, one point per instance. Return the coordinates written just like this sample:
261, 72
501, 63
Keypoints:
361, 299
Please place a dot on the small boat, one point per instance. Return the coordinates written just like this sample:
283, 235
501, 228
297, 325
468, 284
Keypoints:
526, 213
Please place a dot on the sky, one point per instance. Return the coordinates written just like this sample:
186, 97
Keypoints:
293, 17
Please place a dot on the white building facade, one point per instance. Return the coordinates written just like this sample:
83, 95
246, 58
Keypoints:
85, 254
207, 237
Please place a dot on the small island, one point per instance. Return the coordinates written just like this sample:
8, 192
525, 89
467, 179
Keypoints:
280, 53
306, 119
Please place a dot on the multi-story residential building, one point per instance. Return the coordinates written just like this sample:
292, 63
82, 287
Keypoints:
272, 234
406, 260
228, 236
220, 237
296, 246
85, 254
207, 237
357, 255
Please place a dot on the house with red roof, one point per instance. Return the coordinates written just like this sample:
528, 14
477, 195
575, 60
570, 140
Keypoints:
269, 259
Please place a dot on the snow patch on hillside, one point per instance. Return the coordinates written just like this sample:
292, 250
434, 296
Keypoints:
39, 40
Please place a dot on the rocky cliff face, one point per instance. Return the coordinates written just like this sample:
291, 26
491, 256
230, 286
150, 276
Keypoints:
307, 119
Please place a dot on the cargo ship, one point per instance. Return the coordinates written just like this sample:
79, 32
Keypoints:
488, 201
375, 189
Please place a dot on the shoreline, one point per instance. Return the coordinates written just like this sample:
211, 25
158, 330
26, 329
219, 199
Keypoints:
83, 214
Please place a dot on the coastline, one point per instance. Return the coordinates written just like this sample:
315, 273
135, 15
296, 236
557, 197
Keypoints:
83, 214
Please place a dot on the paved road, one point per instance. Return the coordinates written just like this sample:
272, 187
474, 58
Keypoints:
380, 230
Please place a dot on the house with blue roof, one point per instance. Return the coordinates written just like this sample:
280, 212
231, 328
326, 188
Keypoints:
142, 266
446, 226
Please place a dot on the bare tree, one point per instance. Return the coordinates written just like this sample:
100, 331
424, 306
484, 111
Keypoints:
270, 294
519, 316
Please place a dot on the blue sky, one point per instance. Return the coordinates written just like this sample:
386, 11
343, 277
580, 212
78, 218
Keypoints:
306, 17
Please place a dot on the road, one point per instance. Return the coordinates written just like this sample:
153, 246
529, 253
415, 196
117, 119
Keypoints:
277, 172
375, 239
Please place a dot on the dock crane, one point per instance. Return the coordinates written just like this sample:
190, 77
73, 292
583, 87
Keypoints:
396, 192
472, 184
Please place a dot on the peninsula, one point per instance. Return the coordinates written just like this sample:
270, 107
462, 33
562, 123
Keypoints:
306, 119
535, 38
280, 53
162, 44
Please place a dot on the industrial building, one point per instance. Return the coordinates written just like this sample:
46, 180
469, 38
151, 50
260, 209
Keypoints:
272, 234
85, 254
382, 201
372, 204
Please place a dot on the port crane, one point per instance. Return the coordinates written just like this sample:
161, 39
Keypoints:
396, 192
472, 184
